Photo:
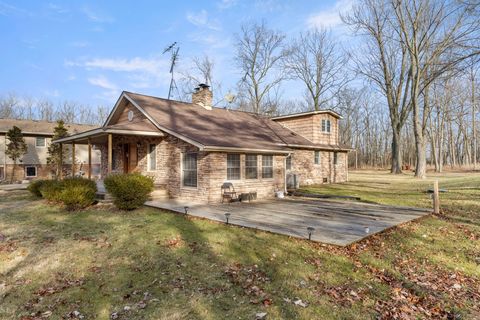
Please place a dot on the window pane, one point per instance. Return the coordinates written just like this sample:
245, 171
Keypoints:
190, 169
335, 158
233, 166
251, 166
328, 125
40, 142
31, 171
323, 125
289, 162
317, 157
267, 166
152, 155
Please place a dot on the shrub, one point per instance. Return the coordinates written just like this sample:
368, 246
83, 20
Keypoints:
76, 197
50, 190
129, 191
74, 193
34, 187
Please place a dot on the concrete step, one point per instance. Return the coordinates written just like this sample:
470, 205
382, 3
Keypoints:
159, 194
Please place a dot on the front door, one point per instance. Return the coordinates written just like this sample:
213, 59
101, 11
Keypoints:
130, 159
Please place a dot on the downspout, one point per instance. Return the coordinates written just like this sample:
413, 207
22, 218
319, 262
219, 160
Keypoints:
285, 172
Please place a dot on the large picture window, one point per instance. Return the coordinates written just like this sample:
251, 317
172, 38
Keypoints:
267, 166
326, 125
152, 157
189, 170
251, 170
233, 167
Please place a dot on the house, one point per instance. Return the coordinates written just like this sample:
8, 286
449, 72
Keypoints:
38, 135
191, 149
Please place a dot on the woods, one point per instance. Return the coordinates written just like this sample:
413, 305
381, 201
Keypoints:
405, 78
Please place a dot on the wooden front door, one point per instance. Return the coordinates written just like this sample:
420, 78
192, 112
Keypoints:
130, 159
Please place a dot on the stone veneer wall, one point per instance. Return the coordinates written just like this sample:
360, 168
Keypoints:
44, 171
212, 169
303, 164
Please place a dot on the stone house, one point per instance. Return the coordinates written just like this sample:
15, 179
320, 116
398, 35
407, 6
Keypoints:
191, 149
38, 135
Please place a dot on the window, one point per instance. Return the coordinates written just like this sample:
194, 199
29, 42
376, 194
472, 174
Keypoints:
288, 162
152, 157
189, 167
325, 125
30, 172
267, 166
40, 142
233, 167
335, 158
317, 157
251, 166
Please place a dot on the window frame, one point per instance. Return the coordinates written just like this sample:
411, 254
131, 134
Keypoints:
251, 167
26, 170
229, 178
317, 157
268, 156
288, 162
326, 126
149, 158
44, 142
183, 155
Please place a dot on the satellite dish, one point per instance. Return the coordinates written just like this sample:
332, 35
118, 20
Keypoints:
229, 97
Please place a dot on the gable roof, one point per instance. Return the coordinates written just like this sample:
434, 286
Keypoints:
38, 127
219, 128
308, 113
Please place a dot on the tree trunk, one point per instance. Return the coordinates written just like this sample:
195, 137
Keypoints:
396, 152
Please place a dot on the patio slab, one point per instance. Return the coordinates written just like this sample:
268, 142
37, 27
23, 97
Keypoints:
335, 222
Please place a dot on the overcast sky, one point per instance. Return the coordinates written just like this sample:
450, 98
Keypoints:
90, 51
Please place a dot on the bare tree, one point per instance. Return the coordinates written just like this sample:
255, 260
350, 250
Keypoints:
316, 59
258, 54
439, 36
384, 63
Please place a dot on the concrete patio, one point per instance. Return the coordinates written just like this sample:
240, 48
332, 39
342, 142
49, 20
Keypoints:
335, 222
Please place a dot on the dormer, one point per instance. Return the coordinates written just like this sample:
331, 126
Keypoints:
317, 126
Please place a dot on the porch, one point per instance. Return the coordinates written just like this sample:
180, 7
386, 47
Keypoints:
334, 222
123, 148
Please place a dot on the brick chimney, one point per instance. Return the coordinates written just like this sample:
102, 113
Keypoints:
202, 96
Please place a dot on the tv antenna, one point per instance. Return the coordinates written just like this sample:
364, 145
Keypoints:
173, 49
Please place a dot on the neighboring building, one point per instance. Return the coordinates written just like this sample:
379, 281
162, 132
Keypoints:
191, 149
38, 135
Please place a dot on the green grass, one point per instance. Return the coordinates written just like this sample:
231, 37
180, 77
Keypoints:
165, 266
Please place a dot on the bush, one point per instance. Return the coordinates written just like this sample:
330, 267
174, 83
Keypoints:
129, 191
76, 197
77, 193
50, 190
74, 193
34, 187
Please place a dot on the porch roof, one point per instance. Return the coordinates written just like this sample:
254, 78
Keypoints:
99, 135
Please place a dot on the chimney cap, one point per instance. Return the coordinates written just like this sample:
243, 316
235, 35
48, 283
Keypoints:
203, 86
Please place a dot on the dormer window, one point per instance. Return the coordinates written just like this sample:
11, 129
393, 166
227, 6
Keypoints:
326, 125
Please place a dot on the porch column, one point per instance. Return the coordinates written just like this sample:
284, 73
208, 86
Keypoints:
89, 159
109, 168
60, 164
73, 158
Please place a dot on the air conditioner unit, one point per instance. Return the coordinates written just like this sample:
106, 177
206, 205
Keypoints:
293, 181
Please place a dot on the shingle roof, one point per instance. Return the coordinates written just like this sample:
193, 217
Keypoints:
221, 127
32, 127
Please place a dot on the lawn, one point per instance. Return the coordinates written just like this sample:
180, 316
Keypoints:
147, 264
